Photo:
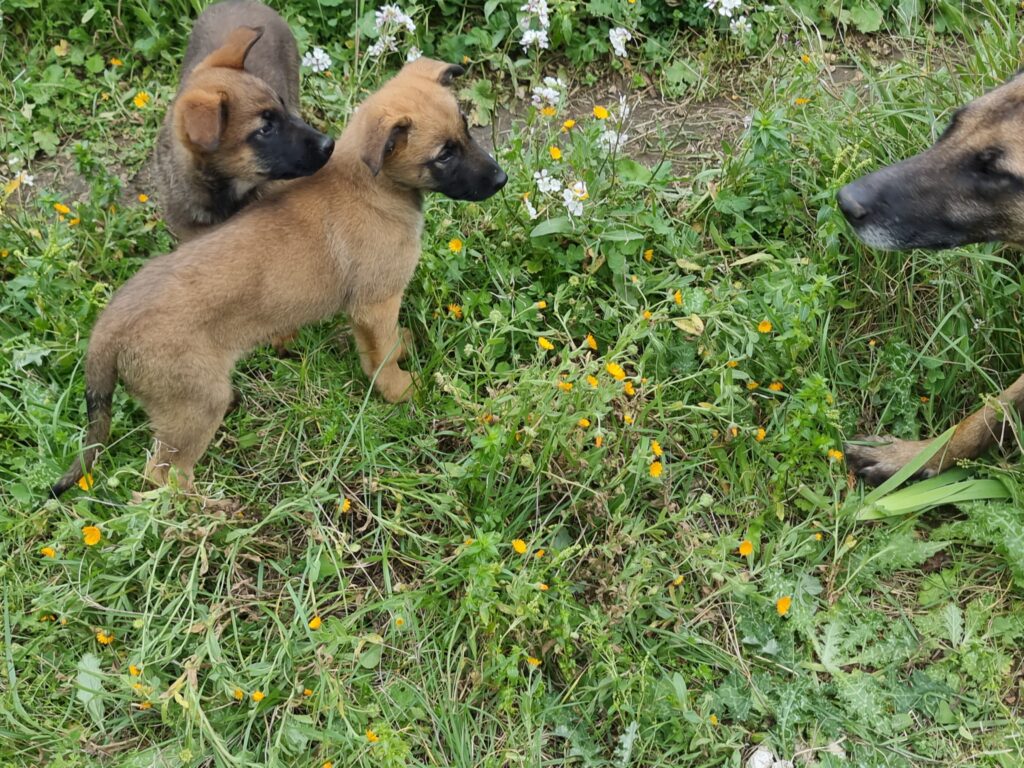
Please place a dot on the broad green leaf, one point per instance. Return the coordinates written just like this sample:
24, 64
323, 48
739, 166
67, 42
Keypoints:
90, 687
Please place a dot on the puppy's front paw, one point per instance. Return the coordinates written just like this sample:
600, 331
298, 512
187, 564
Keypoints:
876, 459
395, 385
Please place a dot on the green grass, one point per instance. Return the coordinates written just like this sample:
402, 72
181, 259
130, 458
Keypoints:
658, 643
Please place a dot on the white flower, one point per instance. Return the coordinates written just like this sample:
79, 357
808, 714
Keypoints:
530, 210
611, 139
538, 37
538, 8
392, 14
317, 60
624, 108
618, 37
739, 25
549, 94
726, 7
25, 179
573, 197
13, 160
413, 54
384, 43
546, 182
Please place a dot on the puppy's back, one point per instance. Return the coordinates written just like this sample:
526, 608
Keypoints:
275, 56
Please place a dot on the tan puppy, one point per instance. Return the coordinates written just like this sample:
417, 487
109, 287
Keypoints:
347, 239
234, 125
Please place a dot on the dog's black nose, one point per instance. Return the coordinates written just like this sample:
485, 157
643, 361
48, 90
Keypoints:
853, 201
500, 179
325, 146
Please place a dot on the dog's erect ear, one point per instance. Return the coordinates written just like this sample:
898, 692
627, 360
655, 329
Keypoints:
232, 54
438, 71
386, 136
201, 118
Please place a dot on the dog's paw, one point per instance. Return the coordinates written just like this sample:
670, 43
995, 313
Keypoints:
876, 459
395, 385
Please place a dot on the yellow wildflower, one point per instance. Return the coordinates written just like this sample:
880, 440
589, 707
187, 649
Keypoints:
746, 548
399, 622
91, 535
134, 671
783, 604
372, 737
731, 364
615, 371
599, 441
752, 385
656, 448
541, 304
565, 386
533, 661
591, 341
141, 100
677, 581
116, 62
800, 101
315, 623
765, 326
713, 719
677, 297
455, 245
543, 343
519, 546
805, 59
143, 198
760, 434
345, 504
592, 381
62, 209
600, 113
627, 418
628, 388
455, 310
539, 554
834, 455
85, 482
104, 638
584, 422
239, 694
144, 705
543, 587
656, 469
48, 552
818, 536
647, 314
568, 125
307, 691
549, 111
555, 152
258, 696
74, 222
775, 386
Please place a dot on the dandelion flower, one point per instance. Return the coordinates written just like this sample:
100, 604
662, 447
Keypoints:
615, 371
713, 719
133, 670
455, 245
539, 554
629, 389
533, 661
731, 364
783, 604
805, 59
677, 297
85, 482
656, 448
565, 386
74, 222
91, 535
818, 536
543, 343
116, 62
601, 113
677, 581
455, 310
746, 548
258, 696
307, 691
519, 546
775, 386
543, 587
555, 152
592, 381
327, 764
647, 314
549, 111
627, 418
752, 385
141, 100
656, 468
591, 341
62, 209
648, 254
800, 101
598, 441
568, 125
399, 622
104, 638
765, 326
584, 423
371, 736
541, 304
760, 434
143, 198
238, 694
48, 552
834, 455
345, 504
315, 623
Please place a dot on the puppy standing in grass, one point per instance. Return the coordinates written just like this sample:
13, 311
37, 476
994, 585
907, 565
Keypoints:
347, 239
234, 125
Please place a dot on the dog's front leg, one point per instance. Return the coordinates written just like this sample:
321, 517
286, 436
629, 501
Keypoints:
382, 343
973, 436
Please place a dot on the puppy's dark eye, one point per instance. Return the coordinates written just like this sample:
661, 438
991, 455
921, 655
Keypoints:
269, 122
447, 153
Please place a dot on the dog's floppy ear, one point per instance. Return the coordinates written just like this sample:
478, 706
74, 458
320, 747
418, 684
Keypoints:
232, 54
383, 138
201, 118
438, 71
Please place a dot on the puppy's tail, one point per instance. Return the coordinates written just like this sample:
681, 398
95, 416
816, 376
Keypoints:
100, 380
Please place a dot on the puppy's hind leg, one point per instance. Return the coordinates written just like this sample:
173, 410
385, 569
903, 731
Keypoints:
183, 428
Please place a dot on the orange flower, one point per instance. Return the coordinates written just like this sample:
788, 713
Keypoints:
648, 254
600, 113
599, 441
371, 736
565, 386
48, 552
519, 546
91, 535
591, 341
783, 604
629, 389
555, 152
539, 553
584, 422
615, 371
592, 381
647, 314
143, 198
238, 694
85, 482
746, 548
543, 587
541, 304
116, 62
800, 101
543, 343
731, 364
455, 310
62, 209
104, 638
760, 434
315, 623
765, 326
656, 469
307, 691
134, 671
258, 696
775, 386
